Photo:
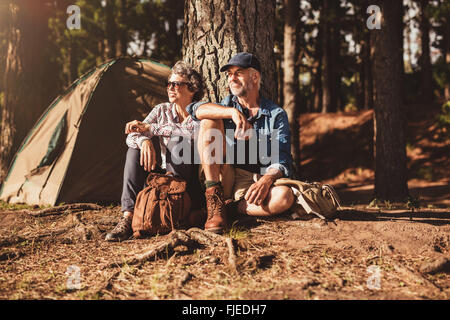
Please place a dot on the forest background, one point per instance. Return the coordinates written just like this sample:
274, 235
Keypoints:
324, 57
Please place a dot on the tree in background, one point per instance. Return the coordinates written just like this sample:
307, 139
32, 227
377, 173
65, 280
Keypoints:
426, 73
389, 123
28, 74
291, 75
216, 30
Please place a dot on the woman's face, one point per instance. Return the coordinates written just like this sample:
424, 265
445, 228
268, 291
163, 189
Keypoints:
178, 91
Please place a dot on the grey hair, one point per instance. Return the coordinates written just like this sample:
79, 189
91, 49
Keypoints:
195, 80
253, 70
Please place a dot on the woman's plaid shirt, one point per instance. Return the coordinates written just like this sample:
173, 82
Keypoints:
164, 123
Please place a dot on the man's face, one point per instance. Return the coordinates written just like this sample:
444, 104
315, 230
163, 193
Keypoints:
239, 81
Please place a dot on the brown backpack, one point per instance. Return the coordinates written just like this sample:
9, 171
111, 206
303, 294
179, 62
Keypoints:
161, 206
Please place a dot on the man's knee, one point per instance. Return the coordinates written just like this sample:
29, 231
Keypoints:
207, 124
281, 199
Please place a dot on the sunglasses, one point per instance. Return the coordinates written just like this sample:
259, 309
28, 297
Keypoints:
175, 84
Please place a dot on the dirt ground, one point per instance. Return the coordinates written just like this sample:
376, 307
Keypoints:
369, 251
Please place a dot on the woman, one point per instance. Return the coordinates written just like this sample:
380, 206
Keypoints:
170, 122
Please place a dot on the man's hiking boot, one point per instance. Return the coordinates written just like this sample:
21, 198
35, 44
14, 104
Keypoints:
122, 231
215, 207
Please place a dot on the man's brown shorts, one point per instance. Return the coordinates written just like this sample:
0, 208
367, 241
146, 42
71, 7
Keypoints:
235, 181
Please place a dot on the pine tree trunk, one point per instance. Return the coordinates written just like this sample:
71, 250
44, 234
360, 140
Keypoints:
317, 105
368, 78
216, 30
111, 29
291, 81
329, 59
425, 59
390, 151
123, 32
446, 54
28, 89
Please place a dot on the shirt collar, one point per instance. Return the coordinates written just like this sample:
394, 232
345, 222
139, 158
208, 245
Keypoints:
174, 113
263, 108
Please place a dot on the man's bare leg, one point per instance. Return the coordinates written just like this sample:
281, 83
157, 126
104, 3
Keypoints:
216, 220
279, 199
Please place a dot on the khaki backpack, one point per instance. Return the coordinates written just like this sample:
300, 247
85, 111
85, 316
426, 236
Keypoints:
312, 198
161, 206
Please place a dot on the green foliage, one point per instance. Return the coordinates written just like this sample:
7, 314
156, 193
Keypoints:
146, 28
443, 119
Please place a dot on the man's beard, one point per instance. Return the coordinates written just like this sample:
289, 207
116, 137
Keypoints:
242, 90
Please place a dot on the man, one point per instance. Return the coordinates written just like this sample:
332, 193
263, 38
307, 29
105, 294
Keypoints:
246, 113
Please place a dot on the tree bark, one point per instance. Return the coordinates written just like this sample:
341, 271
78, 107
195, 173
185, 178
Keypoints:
329, 59
446, 54
291, 74
367, 78
111, 29
123, 31
390, 151
425, 59
318, 92
216, 30
28, 89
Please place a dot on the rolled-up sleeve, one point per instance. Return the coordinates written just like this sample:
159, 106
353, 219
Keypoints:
134, 140
192, 108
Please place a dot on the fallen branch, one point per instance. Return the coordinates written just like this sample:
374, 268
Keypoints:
7, 241
231, 254
74, 207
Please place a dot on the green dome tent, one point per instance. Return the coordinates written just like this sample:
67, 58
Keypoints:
76, 150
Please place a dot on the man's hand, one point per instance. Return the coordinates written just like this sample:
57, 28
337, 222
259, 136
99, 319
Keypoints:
148, 156
136, 126
258, 191
242, 125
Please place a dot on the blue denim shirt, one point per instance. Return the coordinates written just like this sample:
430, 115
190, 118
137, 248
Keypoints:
271, 120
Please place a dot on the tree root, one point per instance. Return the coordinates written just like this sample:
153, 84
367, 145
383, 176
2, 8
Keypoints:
189, 238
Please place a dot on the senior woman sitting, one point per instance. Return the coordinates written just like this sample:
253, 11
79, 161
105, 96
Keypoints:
170, 122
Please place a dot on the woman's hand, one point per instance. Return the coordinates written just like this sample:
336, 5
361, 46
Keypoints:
136, 126
148, 156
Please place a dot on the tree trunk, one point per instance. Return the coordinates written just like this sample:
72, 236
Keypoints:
367, 79
318, 92
123, 30
73, 60
216, 30
28, 88
446, 55
290, 80
111, 29
329, 59
390, 151
425, 59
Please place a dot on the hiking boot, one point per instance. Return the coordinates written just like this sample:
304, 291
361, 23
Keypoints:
215, 207
122, 231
